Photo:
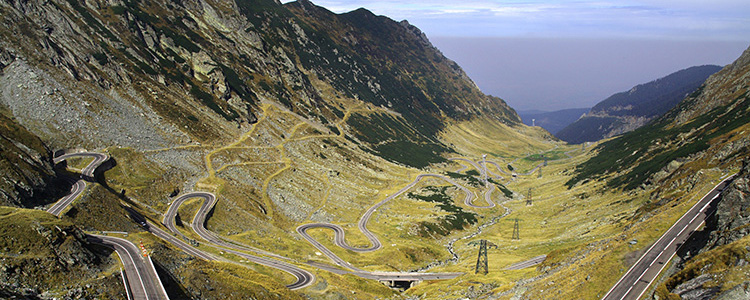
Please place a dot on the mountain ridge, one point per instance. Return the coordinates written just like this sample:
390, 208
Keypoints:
291, 115
626, 111
283, 120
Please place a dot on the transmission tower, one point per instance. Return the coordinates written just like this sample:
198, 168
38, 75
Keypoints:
516, 231
528, 199
482, 256
540, 173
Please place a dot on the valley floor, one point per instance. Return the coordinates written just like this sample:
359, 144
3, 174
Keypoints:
401, 224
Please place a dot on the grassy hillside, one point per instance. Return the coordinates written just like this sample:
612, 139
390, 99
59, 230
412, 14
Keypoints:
292, 115
633, 159
43, 254
626, 111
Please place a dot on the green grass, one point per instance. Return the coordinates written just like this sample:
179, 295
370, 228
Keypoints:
394, 139
549, 155
471, 179
636, 156
458, 219
47, 254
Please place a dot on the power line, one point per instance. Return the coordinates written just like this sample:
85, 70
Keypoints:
482, 256
528, 199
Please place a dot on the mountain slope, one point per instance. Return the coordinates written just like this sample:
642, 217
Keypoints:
46, 257
626, 111
26, 168
640, 184
715, 263
707, 125
288, 113
227, 58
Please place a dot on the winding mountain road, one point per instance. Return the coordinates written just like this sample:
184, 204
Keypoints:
88, 171
340, 236
140, 272
304, 277
144, 282
87, 174
76, 190
142, 285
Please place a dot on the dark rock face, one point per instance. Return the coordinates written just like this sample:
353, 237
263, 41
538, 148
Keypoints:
45, 257
27, 176
703, 276
733, 212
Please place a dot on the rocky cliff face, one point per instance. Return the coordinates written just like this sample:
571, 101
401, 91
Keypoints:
718, 269
154, 74
626, 111
44, 258
27, 173
733, 212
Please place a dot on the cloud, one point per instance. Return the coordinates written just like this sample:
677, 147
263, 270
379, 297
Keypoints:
686, 19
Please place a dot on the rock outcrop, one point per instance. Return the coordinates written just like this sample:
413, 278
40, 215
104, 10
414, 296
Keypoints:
726, 252
733, 212
27, 175
45, 257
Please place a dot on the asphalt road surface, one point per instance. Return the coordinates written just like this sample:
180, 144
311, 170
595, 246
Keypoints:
340, 237
86, 174
304, 277
143, 281
88, 171
61, 204
528, 263
634, 283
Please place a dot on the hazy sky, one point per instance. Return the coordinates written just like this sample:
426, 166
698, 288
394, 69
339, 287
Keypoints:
563, 54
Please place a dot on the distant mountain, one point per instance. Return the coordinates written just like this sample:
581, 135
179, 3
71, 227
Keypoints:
706, 131
552, 121
626, 111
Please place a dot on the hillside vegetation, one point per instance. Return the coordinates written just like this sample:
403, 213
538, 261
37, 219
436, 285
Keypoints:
626, 111
293, 115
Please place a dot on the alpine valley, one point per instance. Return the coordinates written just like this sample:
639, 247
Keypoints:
248, 149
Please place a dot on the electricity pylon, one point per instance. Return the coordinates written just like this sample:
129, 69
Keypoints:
482, 256
516, 230
528, 199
